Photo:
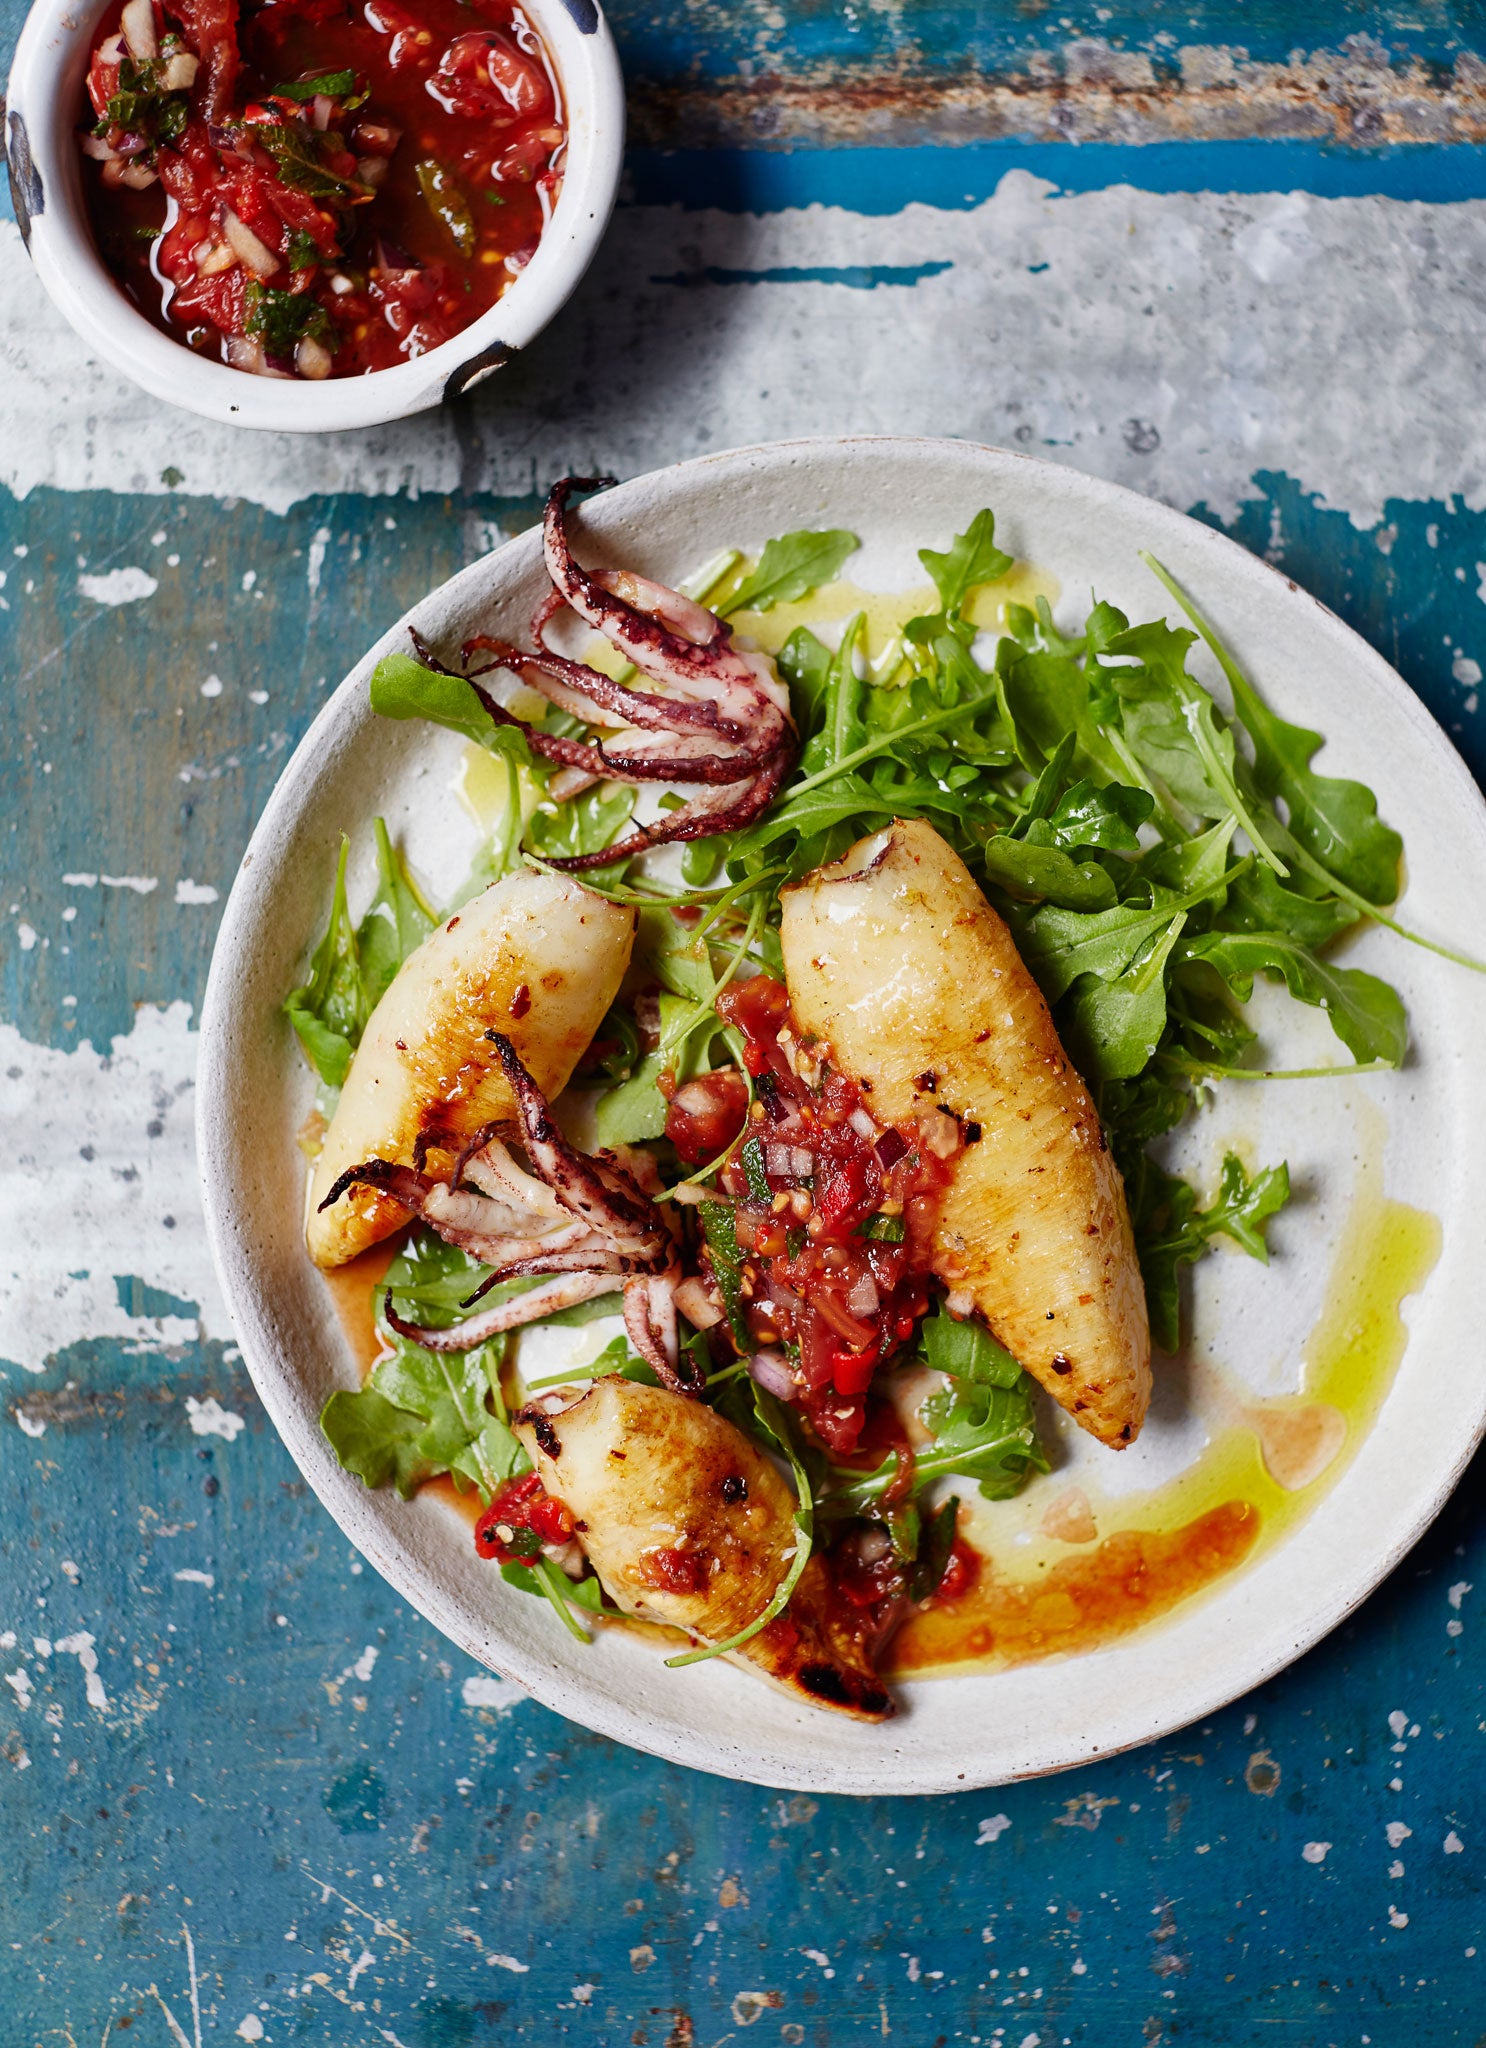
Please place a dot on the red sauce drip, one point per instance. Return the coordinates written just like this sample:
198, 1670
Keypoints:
396, 238
837, 1268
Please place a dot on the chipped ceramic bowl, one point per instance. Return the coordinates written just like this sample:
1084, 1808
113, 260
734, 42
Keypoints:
42, 102
1412, 1136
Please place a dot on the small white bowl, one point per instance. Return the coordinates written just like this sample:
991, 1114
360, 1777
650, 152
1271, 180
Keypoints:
44, 100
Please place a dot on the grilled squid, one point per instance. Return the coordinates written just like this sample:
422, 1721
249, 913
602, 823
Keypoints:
686, 1521
583, 1221
896, 961
537, 957
718, 718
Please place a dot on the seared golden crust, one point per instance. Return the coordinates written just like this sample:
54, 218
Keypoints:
687, 1522
537, 957
895, 959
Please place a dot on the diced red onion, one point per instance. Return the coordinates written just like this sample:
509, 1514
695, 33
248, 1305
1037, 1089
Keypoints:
862, 1124
890, 1148
258, 257
371, 170
321, 109
137, 23
862, 1296
138, 177
211, 258
95, 147
771, 1370
312, 359
178, 73
111, 50
697, 1305
941, 1134
791, 1160
243, 353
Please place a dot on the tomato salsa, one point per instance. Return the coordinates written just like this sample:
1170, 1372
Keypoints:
832, 1217
307, 188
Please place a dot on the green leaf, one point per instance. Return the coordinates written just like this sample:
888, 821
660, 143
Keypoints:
297, 153
805, 664
404, 688
1115, 1025
790, 568
964, 1349
971, 560
1060, 945
1335, 820
716, 1219
1048, 874
375, 1439
1171, 1231
1366, 1014
1259, 903
936, 1541
397, 921
281, 320
329, 1013
981, 1431
334, 85
446, 202
584, 824
1109, 817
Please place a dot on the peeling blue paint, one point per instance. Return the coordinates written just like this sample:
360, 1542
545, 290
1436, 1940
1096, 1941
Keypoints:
857, 277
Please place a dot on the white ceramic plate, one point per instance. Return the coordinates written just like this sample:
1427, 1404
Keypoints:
1417, 1130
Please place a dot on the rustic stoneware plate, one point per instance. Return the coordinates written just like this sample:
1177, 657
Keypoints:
1363, 1274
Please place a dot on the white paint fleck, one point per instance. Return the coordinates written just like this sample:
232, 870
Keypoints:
508, 1963
187, 891
1315, 1852
1453, 1844
26, 933
1398, 1722
990, 1829
820, 1958
95, 1158
212, 687
20, 1684
1080, 1967
81, 1647
1285, 281
1458, 1592
1398, 1833
257, 696
80, 881
119, 586
140, 885
1397, 1919
366, 1663
30, 1425
316, 562
7, 1639
250, 2028
1465, 670
915, 1969
363, 1962
250, 577
210, 1418
41, 1646
70, 1572
1454, 1628
190, 1577
500, 1693
583, 1994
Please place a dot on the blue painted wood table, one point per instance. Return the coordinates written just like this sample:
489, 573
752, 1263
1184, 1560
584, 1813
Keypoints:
1232, 255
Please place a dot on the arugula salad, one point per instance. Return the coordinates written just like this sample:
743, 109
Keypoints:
809, 1219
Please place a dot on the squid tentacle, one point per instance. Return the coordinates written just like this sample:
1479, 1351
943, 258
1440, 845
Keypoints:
566, 1291
714, 670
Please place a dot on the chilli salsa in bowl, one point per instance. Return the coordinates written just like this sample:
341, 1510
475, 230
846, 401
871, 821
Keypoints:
314, 189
